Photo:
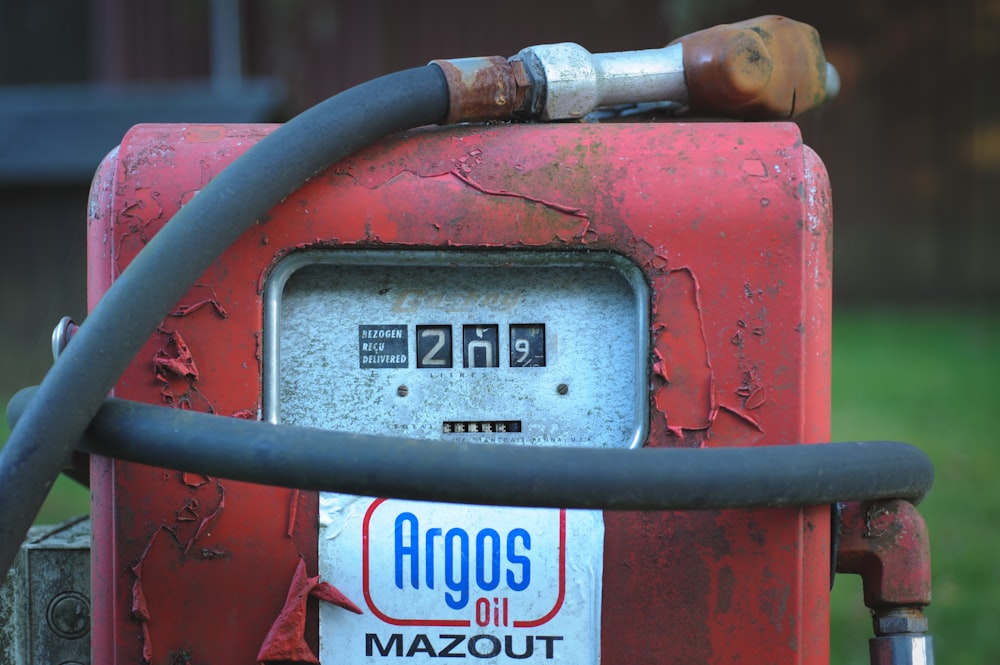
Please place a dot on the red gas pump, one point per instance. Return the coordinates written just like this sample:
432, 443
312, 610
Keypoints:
598, 318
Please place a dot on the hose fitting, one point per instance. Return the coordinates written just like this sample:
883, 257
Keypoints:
901, 638
571, 81
485, 88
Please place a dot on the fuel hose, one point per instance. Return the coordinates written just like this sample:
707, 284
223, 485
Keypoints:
55, 419
76, 385
610, 479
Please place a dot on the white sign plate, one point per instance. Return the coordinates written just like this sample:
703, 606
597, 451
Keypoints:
496, 585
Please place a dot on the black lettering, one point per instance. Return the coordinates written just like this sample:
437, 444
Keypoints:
395, 640
452, 646
549, 648
456, 640
421, 644
529, 647
494, 646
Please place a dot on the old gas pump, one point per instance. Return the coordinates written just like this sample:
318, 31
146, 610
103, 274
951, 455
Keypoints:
526, 388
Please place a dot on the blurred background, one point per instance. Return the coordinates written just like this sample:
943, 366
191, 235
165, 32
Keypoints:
912, 145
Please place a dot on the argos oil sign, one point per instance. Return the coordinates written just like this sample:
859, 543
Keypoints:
444, 581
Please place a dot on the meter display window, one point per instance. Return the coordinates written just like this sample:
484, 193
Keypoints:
538, 348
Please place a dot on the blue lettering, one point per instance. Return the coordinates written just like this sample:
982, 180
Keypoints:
459, 584
493, 566
409, 549
518, 559
429, 550
494, 580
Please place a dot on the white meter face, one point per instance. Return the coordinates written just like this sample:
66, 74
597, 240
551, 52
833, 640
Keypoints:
480, 347
544, 349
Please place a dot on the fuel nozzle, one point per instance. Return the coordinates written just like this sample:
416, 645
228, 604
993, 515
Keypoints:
765, 68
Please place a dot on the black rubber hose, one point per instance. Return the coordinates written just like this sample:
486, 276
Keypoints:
644, 479
129, 312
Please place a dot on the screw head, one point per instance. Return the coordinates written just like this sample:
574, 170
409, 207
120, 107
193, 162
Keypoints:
562, 389
403, 391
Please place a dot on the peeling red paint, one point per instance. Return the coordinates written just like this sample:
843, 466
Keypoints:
754, 167
195, 480
212, 301
142, 209
659, 366
204, 133
285, 641
189, 512
293, 512
756, 398
208, 519
178, 374
175, 363
733, 428
559, 207
140, 608
688, 400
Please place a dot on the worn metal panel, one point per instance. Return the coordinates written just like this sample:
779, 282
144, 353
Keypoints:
729, 224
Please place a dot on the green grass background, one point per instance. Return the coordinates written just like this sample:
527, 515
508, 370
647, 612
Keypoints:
929, 376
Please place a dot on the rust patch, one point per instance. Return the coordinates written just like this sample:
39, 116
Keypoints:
725, 583
484, 88
204, 133
887, 544
211, 554
182, 657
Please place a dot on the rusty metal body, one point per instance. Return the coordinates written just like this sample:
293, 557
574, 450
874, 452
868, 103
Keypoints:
887, 544
730, 226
